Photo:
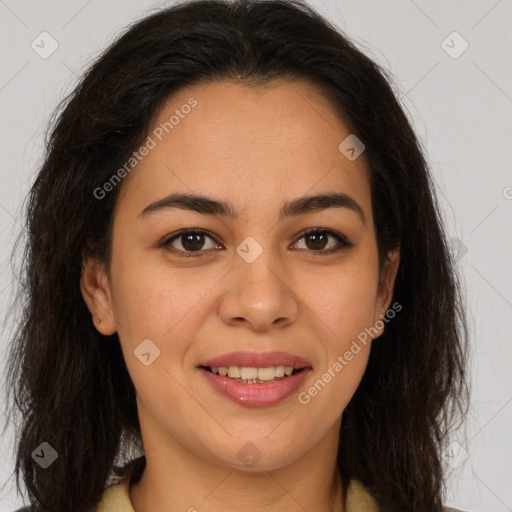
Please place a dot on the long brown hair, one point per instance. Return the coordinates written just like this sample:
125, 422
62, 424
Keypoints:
70, 384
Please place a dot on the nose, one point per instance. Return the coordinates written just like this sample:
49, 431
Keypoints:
259, 295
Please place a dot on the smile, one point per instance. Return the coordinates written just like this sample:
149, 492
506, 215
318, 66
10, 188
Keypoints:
255, 379
254, 375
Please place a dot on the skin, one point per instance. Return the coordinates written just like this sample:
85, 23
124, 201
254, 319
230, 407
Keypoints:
255, 147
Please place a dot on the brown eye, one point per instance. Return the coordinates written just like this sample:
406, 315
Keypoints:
192, 242
187, 242
317, 240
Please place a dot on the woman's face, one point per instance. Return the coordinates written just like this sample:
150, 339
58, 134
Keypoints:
251, 282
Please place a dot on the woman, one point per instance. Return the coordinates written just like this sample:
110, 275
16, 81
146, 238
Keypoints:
236, 270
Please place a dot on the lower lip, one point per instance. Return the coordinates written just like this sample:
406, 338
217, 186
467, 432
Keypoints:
256, 395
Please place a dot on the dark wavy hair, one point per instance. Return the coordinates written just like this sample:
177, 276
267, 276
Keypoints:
70, 385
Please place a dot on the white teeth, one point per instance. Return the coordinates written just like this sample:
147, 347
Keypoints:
279, 371
234, 372
266, 373
248, 373
252, 374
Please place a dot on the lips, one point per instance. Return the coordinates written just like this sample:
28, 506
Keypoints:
257, 360
256, 394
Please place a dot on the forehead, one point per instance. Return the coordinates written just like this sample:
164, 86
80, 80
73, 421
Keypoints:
222, 138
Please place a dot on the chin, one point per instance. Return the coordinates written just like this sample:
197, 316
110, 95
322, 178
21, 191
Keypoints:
258, 454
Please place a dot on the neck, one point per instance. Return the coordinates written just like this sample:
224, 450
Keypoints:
177, 480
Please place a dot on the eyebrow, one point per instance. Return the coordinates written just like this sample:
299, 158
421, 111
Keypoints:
208, 206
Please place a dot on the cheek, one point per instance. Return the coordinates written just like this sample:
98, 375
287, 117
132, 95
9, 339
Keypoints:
343, 300
151, 304
327, 394
152, 300
347, 347
344, 307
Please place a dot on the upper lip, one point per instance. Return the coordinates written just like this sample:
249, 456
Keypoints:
257, 360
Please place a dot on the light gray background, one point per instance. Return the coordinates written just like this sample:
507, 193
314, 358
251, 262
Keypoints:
461, 108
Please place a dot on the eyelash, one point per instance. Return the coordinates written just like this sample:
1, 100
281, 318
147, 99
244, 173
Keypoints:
342, 241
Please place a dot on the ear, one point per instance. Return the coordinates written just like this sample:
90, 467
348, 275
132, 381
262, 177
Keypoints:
95, 288
386, 284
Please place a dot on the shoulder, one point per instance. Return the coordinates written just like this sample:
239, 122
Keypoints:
116, 498
359, 499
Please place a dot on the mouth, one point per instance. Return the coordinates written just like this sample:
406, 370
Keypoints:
255, 379
260, 360
254, 375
